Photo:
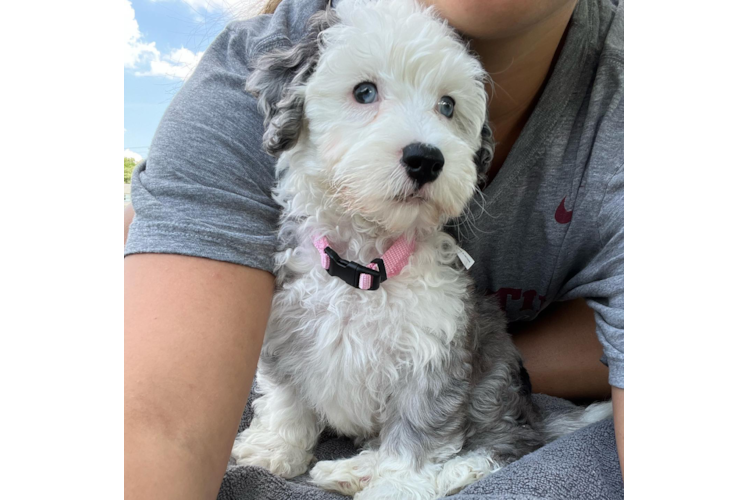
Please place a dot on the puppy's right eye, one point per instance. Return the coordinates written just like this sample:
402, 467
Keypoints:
365, 93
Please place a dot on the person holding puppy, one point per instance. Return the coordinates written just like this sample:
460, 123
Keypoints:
199, 252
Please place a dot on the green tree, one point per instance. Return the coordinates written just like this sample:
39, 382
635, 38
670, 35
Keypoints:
129, 165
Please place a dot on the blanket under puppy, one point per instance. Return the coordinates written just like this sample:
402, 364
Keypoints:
581, 466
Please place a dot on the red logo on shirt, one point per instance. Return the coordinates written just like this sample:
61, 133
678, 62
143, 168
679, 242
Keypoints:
563, 216
527, 297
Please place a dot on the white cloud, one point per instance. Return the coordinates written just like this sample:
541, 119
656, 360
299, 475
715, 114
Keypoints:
238, 9
177, 64
136, 50
132, 154
211, 5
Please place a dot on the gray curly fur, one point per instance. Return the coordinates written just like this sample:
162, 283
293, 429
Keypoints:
501, 416
276, 78
484, 155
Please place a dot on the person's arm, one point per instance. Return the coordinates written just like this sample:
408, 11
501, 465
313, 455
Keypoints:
618, 421
600, 280
561, 352
129, 215
194, 325
193, 332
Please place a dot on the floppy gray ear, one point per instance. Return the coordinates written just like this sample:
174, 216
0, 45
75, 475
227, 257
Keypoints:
484, 155
277, 79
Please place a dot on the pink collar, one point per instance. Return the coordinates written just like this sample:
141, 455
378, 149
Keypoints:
369, 277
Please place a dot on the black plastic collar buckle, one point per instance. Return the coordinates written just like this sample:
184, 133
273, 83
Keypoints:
351, 272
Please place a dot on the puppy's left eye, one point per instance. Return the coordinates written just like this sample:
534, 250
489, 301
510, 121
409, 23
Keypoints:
446, 106
365, 92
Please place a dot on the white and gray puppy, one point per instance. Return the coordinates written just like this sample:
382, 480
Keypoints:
378, 116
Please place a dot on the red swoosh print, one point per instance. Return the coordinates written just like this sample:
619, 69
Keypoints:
563, 216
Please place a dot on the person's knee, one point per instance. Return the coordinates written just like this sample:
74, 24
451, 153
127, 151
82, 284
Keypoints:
129, 214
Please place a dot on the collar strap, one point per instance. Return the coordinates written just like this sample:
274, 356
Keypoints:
366, 277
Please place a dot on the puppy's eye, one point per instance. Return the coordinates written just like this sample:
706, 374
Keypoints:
365, 93
446, 106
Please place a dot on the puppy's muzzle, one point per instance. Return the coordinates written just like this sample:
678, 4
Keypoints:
422, 162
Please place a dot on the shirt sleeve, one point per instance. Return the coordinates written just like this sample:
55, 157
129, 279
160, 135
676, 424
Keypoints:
601, 281
205, 188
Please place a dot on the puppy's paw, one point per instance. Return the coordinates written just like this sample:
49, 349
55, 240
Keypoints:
271, 452
388, 489
463, 470
395, 479
347, 476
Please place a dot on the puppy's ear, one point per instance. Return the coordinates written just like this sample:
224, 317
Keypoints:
278, 79
484, 155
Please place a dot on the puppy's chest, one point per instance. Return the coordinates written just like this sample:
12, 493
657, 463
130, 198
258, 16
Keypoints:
354, 348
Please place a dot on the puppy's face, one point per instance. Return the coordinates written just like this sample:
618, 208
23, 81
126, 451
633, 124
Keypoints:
394, 110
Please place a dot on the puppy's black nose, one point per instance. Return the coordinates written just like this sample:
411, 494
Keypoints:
422, 162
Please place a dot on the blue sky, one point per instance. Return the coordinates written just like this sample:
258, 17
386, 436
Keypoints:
164, 39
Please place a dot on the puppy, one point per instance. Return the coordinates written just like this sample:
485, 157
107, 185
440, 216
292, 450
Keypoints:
378, 117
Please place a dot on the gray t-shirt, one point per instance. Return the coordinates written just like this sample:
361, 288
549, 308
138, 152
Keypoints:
550, 227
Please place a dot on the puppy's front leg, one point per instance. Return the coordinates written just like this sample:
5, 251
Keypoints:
425, 428
282, 434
